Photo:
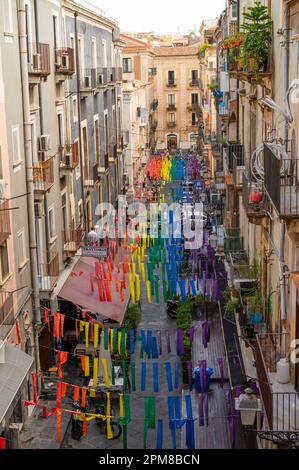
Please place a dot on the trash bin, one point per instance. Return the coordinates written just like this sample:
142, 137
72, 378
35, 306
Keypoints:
209, 373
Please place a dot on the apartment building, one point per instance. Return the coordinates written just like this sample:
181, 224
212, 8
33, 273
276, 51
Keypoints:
139, 105
259, 148
178, 91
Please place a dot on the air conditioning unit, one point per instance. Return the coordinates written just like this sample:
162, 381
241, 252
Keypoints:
36, 61
44, 143
2, 189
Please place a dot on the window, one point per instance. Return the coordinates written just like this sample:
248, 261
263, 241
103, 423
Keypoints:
80, 211
106, 131
8, 16
234, 9
171, 77
194, 120
4, 263
75, 109
104, 53
94, 53
171, 100
55, 31
127, 65
194, 98
112, 54
171, 117
22, 255
16, 152
211, 65
97, 140
52, 223
73, 46
81, 52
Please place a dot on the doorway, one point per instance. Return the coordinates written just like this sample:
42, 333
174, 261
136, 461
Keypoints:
172, 141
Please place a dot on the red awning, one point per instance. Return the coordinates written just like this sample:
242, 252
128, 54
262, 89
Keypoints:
77, 290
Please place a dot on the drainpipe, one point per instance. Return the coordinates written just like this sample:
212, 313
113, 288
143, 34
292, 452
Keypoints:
283, 315
41, 124
29, 175
79, 124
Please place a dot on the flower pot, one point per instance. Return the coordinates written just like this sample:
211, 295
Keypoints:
256, 318
255, 197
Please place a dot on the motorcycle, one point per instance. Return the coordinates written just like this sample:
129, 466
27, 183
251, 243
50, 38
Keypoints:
101, 422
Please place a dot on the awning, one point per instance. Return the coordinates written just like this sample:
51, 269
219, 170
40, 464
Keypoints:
13, 373
77, 290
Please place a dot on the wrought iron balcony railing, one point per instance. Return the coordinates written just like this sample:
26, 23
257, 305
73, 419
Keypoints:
233, 240
39, 59
72, 239
282, 183
69, 156
65, 60
43, 175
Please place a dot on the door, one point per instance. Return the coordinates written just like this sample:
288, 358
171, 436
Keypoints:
172, 141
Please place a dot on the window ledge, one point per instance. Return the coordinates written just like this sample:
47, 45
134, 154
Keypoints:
53, 239
23, 265
17, 165
5, 280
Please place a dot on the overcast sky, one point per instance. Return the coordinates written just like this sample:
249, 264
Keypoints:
160, 16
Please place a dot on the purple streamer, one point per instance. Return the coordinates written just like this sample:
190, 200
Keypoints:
168, 342
191, 333
207, 409
220, 361
180, 342
201, 420
236, 360
203, 375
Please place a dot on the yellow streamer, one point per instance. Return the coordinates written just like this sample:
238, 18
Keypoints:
149, 295
109, 430
137, 288
121, 406
143, 272
106, 375
81, 326
96, 335
119, 342
86, 334
92, 393
95, 371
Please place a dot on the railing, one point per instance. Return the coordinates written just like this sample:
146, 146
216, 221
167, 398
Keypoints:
234, 151
232, 240
281, 408
194, 82
194, 107
281, 183
254, 209
65, 60
43, 175
171, 83
48, 274
39, 59
154, 104
238, 167
171, 107
72, 239
216, 148
117, 74
6, 313
88, 79
91, 174
69, 155
171, 124
5, 229
92, 8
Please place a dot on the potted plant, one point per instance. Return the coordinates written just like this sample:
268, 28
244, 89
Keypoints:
257, 39
230, 309
255, 308
234, 295
212, 86
202, 49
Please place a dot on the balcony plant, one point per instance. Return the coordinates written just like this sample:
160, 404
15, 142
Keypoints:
255, 307
202, 49
212, 86
257, 40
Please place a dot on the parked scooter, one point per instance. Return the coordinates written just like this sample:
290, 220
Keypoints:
102, 423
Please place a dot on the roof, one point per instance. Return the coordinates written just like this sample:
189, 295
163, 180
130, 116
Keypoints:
175, 51
12, 375
77, 290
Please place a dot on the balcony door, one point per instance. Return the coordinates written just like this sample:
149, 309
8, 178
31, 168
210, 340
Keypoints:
171, 77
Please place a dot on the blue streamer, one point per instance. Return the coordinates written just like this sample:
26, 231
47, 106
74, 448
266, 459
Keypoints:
160, 434
155, 353
183, 291
190, 440
176, 376
143, 376
169, 376
132, 341
155, 377
149, 342
143, 340
193, 288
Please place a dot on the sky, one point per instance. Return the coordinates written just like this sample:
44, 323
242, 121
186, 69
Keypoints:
160, 16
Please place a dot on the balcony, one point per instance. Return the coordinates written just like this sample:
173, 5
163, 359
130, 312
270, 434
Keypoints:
154, 125
117, 74
171, 107
39, 60
195, 107
238, 167
171, 124
281, 183
232, 240
72, 239
280, 401
6, 313
154, 105
88, 81
64, 61
91, 174
5, 229
43, 175
68, 157
241, 270
48, 276
171, 83
255, 201
237, 70
195, 82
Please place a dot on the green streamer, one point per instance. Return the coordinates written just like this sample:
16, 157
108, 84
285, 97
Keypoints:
123, 341
133, 376
149, 417
106, 338
115, 333
125, 420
